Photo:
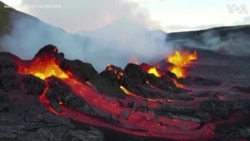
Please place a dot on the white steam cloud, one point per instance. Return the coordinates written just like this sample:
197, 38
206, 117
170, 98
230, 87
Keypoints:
77, 15
114, 44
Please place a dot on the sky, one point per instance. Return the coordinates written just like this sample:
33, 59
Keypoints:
167, 15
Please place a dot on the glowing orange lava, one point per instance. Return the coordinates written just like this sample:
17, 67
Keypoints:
43, 68
151, 70
180, 61
126, 91
154, 71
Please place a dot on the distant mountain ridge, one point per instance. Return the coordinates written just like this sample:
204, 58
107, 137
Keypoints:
222, 31
4, 19
30, 33
232, 40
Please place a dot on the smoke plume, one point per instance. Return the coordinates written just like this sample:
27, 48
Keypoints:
114, 44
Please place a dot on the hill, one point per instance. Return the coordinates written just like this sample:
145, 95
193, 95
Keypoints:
23, 34
4, 19
228, 40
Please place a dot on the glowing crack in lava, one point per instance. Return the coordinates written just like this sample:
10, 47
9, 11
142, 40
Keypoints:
131, 121
180, 61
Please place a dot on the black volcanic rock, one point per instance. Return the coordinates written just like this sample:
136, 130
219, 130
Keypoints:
199, 81
217, 108
9, 80
8, 68
32, 85
83, 71
223, 109
7, 61
237, 129
60, 92
185, 113
244, 89
86, 73
112, 84
48, 50
134, 71
4, 101
141, 77
141, 83
23, 118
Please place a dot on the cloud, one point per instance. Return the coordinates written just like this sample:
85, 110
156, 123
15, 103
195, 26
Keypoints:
85, 14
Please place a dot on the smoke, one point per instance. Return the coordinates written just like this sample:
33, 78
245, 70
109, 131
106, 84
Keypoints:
233, 43
77, 15
227, 40
126, 39
29, 34
114, 44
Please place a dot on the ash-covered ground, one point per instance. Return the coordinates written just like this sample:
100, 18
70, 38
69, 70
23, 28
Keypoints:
211, 103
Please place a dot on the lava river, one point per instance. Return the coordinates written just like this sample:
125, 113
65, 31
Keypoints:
131, 121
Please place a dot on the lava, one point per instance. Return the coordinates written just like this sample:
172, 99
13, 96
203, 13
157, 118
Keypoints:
154, 71
180, 61
151, 70
43, 68
135, 122
178, 84
126, 91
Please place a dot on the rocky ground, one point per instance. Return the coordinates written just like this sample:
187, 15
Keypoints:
212, 103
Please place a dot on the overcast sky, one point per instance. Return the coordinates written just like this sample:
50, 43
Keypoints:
168, 15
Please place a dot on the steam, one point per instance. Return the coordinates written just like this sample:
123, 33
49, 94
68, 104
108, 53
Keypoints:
232, 43
114, 44
219, 40
125, 39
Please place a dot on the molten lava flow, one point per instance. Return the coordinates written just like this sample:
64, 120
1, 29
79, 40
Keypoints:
178, 84
126, 91
154, 71
151, 70
180, 60
131, 121
43, 68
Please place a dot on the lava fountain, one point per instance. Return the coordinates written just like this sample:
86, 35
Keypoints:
180, 61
